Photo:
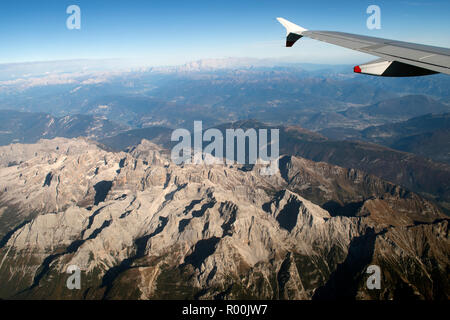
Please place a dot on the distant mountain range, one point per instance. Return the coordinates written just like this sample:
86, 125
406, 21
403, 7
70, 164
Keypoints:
399, 108
387, 111
26, 127
427, 135
218, 91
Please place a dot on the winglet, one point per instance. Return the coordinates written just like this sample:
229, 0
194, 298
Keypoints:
293, 31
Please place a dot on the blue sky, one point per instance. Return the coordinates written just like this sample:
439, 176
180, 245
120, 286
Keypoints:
174, 32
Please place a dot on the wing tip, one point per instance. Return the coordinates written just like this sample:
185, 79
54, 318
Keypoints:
293, 31
291, 27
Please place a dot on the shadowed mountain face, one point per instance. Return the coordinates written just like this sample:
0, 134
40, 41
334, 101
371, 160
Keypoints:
127, 139
141, 227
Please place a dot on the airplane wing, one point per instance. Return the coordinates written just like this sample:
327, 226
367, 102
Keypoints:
397, 58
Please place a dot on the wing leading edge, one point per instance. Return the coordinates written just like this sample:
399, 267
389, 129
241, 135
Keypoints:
398, 58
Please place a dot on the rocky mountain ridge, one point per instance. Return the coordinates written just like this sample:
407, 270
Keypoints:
141, 227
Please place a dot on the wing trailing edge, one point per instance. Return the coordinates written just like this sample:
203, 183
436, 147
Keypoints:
385, 68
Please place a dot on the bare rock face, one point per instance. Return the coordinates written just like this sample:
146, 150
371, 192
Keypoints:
140, 227
53, 175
